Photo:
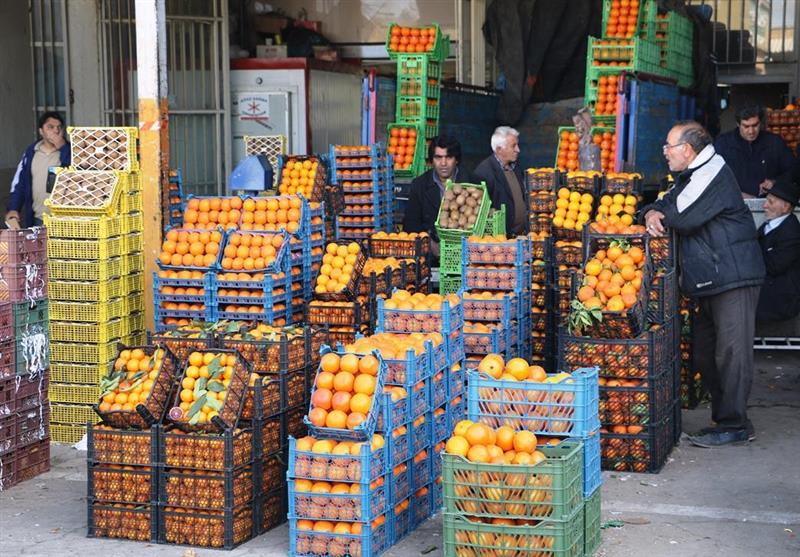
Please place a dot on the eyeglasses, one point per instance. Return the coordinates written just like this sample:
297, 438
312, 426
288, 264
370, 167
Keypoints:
668, 146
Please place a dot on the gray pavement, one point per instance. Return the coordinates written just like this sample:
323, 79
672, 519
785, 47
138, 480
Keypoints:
733, 501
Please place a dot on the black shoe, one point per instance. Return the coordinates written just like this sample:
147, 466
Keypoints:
719, 438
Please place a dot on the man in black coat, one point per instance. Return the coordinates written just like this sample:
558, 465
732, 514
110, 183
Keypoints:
505, 180
721, 265
426, 191
757, 157
779, 238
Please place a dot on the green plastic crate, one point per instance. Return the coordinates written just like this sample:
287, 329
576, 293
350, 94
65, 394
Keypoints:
417, 65
450, 257
591, 91
449, 284
496, 225
636, 56
548, 538
441, 46
480, 223
594, 130
418, 164
418, 86
591, 520
551, 489
645, 22
25, 315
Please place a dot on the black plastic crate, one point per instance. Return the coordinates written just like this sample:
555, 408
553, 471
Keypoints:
663, 297
207, 491
181, 343
294, 422
270, 435
643, 357
219, 529
207, 451
271, 509
110, 484
123, 521
271, 471
644, 451
637, 402
106, 445
278, 353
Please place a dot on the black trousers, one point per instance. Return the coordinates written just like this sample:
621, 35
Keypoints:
723, 348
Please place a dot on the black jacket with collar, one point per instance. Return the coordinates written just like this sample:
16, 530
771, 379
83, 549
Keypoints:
718, 248
765, 158
780, 295
490, 171
424, 198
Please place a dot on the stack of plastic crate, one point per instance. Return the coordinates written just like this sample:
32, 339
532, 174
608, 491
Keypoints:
24, 354
175, 198
419, 66
674, 35
95, 266
367, 184
563, 414
411, 250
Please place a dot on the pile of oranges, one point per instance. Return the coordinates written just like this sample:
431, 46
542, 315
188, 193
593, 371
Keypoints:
606, 103
204, 386
573, 209
210, 212
608, 227
298, 177
622, 18
392, 346
478, 442
617, 209
516, 369
411, 39
608, 149
190, 248
344, 390
131, 381
251, 251
338, 268
403, 145
567, 157
428, 318
272, 213
613, 278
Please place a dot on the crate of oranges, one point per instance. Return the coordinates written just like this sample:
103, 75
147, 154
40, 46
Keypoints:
208, 213
254, 251
302, 175
136, 390
340, 273
344, 404
185, 248
212, 391
324, 537
407, 146
426, 40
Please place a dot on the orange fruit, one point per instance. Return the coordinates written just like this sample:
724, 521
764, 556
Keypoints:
364, 384
505, 438
457, 445
524, 441
360, 403
478, 453
336, 419
477, 434
369, 365
343, 381
329, 362
349, 363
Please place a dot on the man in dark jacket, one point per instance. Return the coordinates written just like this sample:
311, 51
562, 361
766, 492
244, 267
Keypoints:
757, 157
505, 180
779, 238
29, 185
426, 191
721, 265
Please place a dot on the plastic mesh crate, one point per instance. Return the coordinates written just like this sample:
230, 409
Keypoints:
85, 193
592, 536
455, 234
94, 148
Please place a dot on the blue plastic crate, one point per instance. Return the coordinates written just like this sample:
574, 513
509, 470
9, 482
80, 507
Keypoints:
438, 496
410, 370
401, 524
422, 434
400, 445
436, 463
269, 316
364, 506
500, 310
506, 279
207, 283
515, 252
445, 320
401, 483
592, 476
307, 543
493, 342
422, 505
419, 397
455, 413
209, 314
391, 414
438, 391
456, 382
363, 431
365, 467
422, 471
454, 351
568, 408
441, 431
268, 286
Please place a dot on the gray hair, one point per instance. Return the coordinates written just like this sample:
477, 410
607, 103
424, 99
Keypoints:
693, 134
500, 135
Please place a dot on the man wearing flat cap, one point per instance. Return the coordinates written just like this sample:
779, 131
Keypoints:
779, 238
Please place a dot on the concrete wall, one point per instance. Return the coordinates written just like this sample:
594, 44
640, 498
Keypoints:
84, 64
16, 91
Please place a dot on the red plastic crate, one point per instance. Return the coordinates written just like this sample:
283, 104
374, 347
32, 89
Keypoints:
19, 283
24, 246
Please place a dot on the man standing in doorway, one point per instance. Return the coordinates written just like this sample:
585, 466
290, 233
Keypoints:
426, 191
756, 156
29, 186
720, 265
505, 180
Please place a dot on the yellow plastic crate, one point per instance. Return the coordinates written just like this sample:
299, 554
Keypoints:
133, 283
133, 303
133, 243
85, 193
137, 338
130, 202
90, 312
133, 222
66, 331
132, 323
73, 414
60, 269
78, 373
86, 228
67, 352
86, 249
133, 263
66, 433
80, 291
104, 148
74, 394
132, 183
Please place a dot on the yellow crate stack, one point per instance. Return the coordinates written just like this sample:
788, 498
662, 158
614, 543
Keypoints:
96, 284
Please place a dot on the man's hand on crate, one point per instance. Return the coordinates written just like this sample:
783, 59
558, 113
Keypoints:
653, 221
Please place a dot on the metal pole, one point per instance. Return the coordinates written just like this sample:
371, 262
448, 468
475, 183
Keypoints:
152, 93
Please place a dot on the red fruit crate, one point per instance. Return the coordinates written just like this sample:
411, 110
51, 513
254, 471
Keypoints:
23, 247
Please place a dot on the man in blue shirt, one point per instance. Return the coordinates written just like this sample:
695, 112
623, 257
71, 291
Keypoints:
29, 185
756, 156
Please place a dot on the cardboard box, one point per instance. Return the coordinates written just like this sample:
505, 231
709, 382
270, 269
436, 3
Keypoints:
269, 24
271, 51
